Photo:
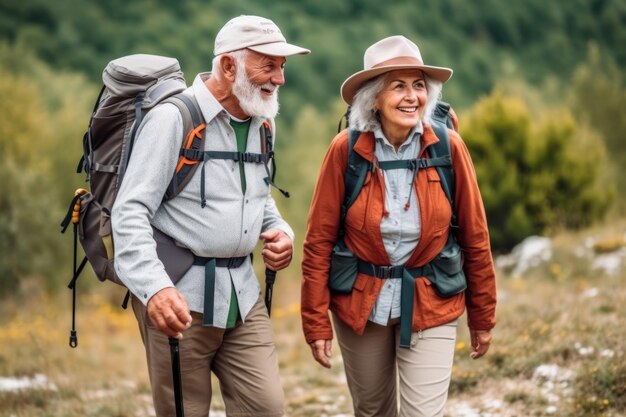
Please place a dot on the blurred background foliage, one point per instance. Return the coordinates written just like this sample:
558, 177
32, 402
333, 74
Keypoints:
539, 88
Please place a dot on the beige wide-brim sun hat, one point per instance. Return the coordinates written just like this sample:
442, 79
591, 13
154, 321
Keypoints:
389, 54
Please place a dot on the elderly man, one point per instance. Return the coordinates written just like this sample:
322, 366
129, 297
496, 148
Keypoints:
220, 215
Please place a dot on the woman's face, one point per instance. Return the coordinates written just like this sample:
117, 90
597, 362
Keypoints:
401, 101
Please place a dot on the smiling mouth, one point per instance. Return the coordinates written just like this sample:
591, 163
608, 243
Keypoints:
407, 109
267, 91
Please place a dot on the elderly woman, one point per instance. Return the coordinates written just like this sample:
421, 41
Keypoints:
393, 319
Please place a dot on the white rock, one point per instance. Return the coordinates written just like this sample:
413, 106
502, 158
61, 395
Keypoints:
39, 381
591, 293
552, 373
607, 353
531, 252
610, 263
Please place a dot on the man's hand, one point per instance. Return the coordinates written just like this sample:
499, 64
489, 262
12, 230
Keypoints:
481, 340
322, 351
277, 249
168, 311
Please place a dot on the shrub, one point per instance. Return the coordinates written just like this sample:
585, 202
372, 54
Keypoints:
535, 174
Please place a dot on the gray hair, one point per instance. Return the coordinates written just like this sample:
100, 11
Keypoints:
240, 59
363, 115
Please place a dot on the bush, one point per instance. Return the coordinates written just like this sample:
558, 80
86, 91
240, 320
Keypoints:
535, 174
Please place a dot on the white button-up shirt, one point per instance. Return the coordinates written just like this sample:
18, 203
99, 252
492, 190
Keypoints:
401, 229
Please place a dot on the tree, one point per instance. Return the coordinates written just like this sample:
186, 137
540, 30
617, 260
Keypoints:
26, 241
598, 97
44, 115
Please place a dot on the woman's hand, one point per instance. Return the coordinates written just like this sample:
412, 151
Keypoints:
481, 340
322, 351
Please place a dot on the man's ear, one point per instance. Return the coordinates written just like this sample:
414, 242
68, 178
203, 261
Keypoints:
228, 67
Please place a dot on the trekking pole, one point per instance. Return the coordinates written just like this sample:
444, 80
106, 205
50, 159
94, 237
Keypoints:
74, 216
270, 277
178, 385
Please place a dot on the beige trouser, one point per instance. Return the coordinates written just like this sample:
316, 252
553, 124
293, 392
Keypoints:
423, 370
243, 359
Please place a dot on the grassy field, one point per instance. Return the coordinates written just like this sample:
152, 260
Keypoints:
558, 350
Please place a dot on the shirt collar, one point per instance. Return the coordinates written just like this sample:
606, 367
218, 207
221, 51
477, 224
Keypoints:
209, 106
414, 134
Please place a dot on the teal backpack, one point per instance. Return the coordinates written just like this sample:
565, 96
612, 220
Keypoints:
445, 271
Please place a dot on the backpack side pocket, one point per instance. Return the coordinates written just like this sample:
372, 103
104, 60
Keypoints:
94, 232
343, 269
448, 277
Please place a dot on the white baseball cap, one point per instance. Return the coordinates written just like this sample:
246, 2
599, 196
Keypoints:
256, 33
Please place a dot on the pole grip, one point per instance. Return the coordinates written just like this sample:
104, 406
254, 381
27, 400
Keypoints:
178, 386
270, 278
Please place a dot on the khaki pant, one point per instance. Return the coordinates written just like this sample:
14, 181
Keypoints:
243, 359
423, 370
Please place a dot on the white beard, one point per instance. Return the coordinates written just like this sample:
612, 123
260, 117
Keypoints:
251, 98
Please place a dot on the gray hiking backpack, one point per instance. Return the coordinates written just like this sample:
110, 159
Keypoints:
133, 85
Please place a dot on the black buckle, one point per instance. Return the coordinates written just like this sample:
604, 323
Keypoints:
383, 272
387, 271
251, 157
193, 154
234, 262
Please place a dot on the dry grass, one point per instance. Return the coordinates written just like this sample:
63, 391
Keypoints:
559, 351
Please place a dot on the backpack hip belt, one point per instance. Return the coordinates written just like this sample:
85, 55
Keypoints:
209, 280
407, 291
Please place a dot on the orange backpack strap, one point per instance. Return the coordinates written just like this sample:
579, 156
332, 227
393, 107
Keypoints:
192, 145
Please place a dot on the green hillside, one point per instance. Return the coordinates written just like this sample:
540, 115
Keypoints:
483, 40
539, 87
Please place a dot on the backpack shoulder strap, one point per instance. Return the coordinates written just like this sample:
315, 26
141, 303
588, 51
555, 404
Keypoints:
356, 171
346, 117
267, 150
193, 140
441, 121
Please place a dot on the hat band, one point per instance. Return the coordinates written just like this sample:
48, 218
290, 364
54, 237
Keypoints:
400, 60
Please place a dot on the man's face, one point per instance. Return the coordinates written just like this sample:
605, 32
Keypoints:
256, 83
